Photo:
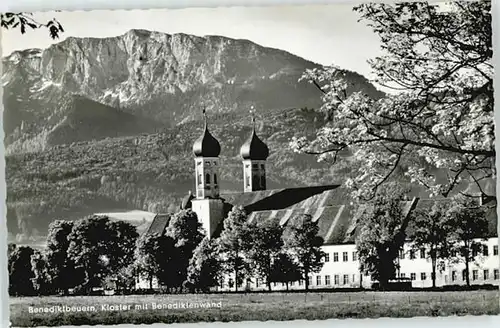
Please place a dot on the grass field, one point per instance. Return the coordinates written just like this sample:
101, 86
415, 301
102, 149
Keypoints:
238, 307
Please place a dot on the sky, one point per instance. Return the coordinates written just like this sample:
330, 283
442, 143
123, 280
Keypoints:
325, 34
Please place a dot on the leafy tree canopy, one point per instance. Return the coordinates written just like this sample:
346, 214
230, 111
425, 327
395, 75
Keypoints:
439, 117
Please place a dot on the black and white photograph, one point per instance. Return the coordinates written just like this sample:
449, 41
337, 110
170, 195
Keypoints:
250, 163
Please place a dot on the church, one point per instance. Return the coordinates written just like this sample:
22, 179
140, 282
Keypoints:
328, 205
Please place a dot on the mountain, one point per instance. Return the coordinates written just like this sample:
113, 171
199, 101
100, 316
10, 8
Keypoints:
161, 77
107, 125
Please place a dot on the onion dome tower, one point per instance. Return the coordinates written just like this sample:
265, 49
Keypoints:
254, 153
206, 150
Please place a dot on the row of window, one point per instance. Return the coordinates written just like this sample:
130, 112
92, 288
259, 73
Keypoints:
475, 252
319, 282
207, 179
345, 257
412, 254
345, 279
475, 275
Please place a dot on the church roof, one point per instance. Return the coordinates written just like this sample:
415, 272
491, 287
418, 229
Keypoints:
329, 205
159, 224
336, 221
206, 145
186, 201
254, 148
286, 198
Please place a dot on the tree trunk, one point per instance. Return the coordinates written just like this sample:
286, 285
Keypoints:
467, 278
306, 275
433, 274
236, 279
151, 282
286, 283
268, 285
360, 279
467, 258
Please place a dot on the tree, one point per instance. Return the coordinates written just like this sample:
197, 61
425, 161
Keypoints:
101, 247
263, 243
284, 270
62, 272
304, 245
205, 266
231, 246
382, 234
439, 120
21, 272
26, 20
470, 226
432, 229
41, 273
156, 256
187, 232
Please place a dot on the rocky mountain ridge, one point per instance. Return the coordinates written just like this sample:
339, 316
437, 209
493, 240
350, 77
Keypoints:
162, 77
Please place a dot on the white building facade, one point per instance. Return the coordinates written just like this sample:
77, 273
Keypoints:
341, 270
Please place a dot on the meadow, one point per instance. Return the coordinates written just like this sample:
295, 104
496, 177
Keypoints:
183, 308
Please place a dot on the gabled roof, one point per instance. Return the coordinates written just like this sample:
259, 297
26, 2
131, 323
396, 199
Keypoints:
159, 224
279, 199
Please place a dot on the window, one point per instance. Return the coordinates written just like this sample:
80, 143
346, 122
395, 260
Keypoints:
345, 257
200, 179
301, 282
353, 278
402, 275
262, 166
207, 178
274, 284
207, 163
248, 180
486, 274
336, 279
412, 254
257, 282
354, 256
263, 181
215, 163
254, 166
318, 280
292, 283
401, 254
423, 276
446, 278
485, 250
335, 257
215, 178
495, 274
346, 279
453, 275
464, 275
495, 249
255, 180
327, 280
413, 276
475, 274
327, 257
422, 253
310, 280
